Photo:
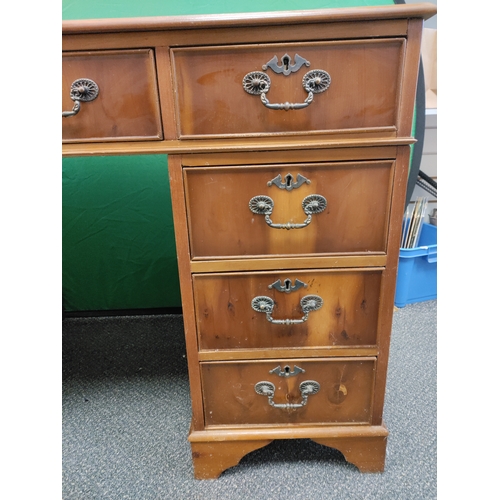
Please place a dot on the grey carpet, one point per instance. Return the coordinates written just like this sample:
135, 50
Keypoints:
126, 415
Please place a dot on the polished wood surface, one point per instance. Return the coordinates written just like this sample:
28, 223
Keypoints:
348, 316
358, 198
262, 263
127, 107
212, 458
264, 152
389, 280
345, 394
363, 114
366, 453
240, 20
286, 352
249, 145
182, 248
216, 450
364, 90
180, 92
205, 34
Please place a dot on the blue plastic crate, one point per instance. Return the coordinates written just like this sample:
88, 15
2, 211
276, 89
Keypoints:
417, 270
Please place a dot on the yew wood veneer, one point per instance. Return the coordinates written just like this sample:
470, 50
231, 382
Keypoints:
288, 135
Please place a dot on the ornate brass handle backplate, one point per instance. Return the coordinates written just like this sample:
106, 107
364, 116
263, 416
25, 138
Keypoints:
81, 90
313, 82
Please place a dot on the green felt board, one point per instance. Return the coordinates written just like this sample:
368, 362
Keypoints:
117, 230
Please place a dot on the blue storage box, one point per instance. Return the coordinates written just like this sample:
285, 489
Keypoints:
417, 271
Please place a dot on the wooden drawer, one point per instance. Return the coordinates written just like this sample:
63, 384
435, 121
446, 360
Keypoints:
127, 104
363, 93
347, 317
344, 395
355, 219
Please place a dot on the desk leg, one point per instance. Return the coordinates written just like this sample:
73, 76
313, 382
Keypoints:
210, 459
366, 453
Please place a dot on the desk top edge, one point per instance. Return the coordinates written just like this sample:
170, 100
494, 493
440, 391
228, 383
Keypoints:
371, 13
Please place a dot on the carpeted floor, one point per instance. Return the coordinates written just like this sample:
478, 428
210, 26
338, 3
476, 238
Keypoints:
126, 415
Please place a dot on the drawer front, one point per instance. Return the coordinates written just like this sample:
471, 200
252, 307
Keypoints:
250, 310
127, 103
363, 91
332, 391
356, 205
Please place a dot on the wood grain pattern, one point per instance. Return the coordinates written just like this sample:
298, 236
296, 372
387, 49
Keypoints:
180, 93
127, 107
229, 36
348, 317
355, 219
289, 352
345, 394
410, 76
364, 140
364, 89
182, 247
389, 280
164, 70
370, 14
216, 450
212, 458
366, 453
316, 431
262, 263
307, 154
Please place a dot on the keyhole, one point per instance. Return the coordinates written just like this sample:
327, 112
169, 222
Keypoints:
286, 62
288, 285
287, 370
288, 180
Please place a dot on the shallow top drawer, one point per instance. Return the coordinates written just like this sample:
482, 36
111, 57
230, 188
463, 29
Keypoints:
116, 92
318, 87
288, 209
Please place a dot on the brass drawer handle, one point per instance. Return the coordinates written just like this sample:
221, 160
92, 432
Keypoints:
268, 389
82, 90
308, 303
263, 205
286, 105
314, 82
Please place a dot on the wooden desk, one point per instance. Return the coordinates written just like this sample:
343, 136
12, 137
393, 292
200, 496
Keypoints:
288, 137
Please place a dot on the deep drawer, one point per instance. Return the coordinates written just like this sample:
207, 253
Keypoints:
274, 310
358, 88
354, 217
127, 103
319, 391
